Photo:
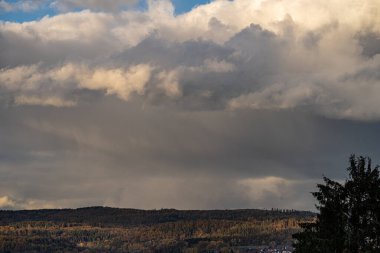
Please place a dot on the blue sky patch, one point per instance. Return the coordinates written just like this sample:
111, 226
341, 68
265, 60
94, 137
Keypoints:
19, 15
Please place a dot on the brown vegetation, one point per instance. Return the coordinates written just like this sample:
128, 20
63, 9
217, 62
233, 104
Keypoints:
105, 230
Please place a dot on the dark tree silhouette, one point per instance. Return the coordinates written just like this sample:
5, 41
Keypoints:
349, 213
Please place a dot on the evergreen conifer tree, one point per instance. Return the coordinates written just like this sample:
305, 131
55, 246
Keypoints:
349, 213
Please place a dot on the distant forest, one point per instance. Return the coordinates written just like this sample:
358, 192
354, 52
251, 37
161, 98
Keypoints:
103, 229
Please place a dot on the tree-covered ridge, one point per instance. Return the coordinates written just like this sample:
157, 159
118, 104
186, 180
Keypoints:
106, 216
129, 230
349, 218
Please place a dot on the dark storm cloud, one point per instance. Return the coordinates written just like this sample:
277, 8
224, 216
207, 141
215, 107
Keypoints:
167, 54
370, 43
149, 157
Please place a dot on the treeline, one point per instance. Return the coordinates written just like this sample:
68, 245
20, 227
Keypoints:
106, 216
192, 231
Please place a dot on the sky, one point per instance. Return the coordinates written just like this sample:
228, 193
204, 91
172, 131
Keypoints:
184, 104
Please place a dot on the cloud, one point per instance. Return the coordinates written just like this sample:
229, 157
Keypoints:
6, 6
49, 101
267, 60
275, 97
162, 192
116, 81
30, 82
168, 82
25, 6
263, 191
6, 202
233, 104
214, 65
96, 5
133, 154
67, 5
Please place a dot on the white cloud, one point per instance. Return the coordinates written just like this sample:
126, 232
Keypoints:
27, 204
260, 188
30, 81
168, 82
260, 54
277, 96
5, 201
96, 5
279, 191
25, 6
84, 26
115, 81
45, 101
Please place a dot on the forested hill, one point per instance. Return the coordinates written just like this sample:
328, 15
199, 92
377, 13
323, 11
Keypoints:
104, 229
106, 216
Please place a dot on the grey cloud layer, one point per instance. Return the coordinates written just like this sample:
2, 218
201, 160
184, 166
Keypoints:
234, 104
129, 154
